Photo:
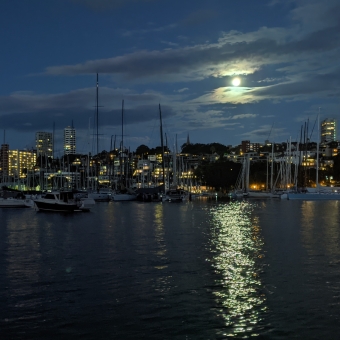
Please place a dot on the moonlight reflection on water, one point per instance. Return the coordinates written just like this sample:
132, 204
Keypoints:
237, 244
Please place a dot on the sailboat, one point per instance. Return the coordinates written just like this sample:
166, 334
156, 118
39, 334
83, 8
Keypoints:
157, 193
175, 193
242, 184
98, 195
318, 193
125, 193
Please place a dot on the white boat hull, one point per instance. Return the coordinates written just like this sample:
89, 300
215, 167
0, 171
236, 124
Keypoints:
14, 203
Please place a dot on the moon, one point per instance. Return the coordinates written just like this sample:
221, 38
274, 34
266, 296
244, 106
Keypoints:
236, 81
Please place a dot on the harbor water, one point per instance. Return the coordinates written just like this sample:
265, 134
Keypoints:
265, 269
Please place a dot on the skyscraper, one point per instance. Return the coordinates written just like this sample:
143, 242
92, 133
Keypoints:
21, 161
69, 140
328, 130
44, 144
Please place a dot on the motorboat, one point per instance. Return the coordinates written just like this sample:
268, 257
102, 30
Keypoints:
153, 194
62, 201
176, 195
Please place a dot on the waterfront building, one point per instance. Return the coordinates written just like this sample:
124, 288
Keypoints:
330, 149
328, 130
20, 162
246, 146
44, 144
69, 140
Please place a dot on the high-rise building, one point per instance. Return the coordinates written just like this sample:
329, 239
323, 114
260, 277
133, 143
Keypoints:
44, 144
328, 130
4, 160
20, 161
246, 146
69, 140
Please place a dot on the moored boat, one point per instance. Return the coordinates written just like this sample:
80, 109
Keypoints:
12, 202
128, 195
62, 201
100, 195
176, 195
149, 197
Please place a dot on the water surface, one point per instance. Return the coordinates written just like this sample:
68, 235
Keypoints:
197, 270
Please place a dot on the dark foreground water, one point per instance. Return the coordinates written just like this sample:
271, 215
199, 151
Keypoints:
197, 270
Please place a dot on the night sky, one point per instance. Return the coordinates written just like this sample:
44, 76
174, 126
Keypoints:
182, 55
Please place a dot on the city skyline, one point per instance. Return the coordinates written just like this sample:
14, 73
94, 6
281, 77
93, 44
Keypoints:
182, 56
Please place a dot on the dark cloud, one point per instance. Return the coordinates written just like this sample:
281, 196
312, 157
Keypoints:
206, 60
31, 112
84, 122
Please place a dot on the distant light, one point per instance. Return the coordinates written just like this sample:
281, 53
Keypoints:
236, 81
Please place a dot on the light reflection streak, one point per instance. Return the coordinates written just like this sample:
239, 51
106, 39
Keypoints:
237, 244
162, 280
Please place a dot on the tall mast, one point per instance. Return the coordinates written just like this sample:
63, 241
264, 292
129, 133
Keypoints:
122, 146
122, 124
162, 145
272, 169
317, 152
97, 116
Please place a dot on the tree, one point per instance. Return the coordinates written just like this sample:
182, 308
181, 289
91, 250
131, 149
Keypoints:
221, 174
142, 150
199, 149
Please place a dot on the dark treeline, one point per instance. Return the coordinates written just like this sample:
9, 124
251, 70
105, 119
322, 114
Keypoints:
199, 149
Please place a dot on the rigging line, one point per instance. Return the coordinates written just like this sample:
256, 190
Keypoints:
270, 132
316, 119
151, 134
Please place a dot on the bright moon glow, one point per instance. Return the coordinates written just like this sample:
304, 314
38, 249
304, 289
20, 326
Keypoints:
236, 81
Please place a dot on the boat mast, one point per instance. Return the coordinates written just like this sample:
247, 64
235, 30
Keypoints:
168, 162
162, 145
97, 139
272, 169
122, 145
174, 167
317, 153
97, 116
